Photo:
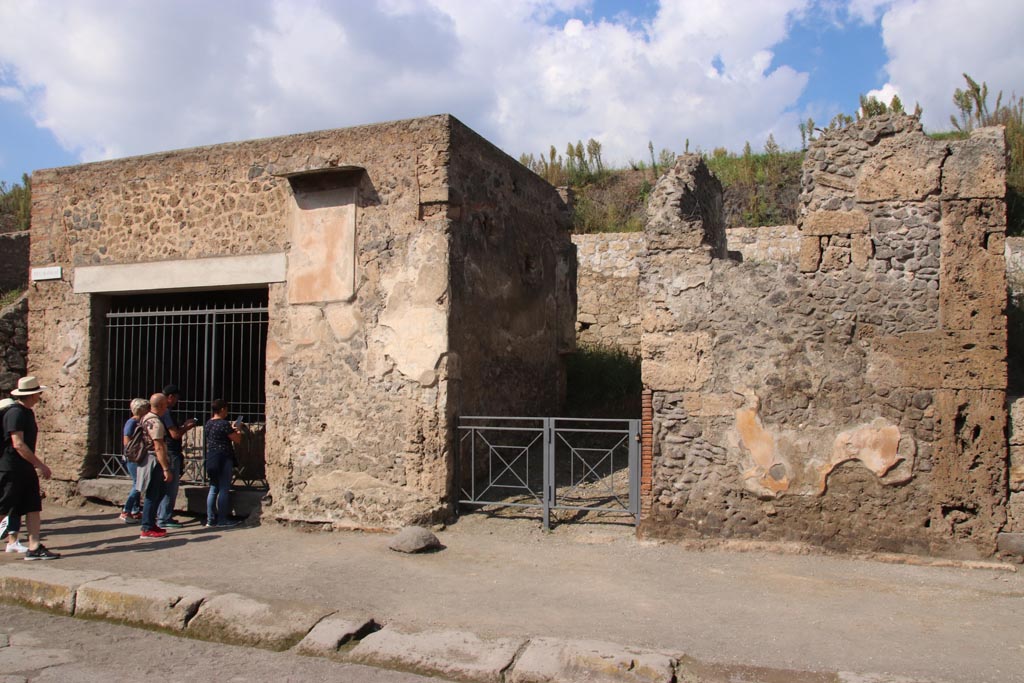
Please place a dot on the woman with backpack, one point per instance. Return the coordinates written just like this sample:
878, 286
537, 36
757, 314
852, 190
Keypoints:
132, 512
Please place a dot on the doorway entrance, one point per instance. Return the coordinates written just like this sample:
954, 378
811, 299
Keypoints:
212, 345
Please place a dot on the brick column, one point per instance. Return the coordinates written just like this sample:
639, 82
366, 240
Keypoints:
646, 452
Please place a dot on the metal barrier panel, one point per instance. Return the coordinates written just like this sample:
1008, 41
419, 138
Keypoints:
501, 461
211, 350
549, 464
595, 465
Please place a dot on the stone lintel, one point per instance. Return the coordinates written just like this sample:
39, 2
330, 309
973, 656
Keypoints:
182, 274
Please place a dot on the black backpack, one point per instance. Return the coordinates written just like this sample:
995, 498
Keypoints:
138, 444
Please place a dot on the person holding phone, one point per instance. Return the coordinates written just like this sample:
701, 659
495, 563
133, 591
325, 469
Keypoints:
220, 435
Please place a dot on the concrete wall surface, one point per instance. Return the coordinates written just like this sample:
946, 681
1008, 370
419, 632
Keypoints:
855, 399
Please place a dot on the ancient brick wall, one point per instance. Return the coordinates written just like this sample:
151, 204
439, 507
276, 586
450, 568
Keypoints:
853, 400
358, 407
608, 310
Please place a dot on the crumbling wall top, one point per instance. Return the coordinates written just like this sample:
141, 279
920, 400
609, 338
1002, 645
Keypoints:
685, 209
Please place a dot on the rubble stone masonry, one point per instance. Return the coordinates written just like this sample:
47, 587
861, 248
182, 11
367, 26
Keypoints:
369, 360
608, 312
854, 399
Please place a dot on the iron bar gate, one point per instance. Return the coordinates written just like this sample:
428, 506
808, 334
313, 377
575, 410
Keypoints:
214, 348
550, 463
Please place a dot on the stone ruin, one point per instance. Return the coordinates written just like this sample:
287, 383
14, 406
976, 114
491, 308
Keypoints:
848, 393
855, 399
412, 272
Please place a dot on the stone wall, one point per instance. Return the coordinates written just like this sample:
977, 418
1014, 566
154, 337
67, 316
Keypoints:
1015, 505
359, 361
13, 260
767, 244
13, 343
853, 400
513, 283
608, 312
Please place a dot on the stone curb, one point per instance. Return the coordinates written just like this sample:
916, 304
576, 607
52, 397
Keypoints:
333, 633
238, 620
146, 602
455, 655
546, 660
44, 586
310, 630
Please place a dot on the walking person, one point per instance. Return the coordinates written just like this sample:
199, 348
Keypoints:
11, 527
19, 481
11, 524
219, 435
155, 470
175, 433
132, 512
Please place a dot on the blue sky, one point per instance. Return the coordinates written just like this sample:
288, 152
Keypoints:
83, 80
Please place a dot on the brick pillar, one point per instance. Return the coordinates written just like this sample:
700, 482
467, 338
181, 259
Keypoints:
646, 452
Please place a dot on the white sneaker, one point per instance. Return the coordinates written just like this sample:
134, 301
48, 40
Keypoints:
17, 547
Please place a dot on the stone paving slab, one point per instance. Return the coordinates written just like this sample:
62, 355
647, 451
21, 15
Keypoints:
234, 618
146, 602
331, 633
44, 586
551, 660
455, 655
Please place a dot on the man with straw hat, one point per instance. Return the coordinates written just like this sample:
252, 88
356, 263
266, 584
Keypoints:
19, 483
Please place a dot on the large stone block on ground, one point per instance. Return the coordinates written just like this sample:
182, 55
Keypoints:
44, 586
233, 618
1012, 543
547, 660
145, 602
105, 488
453, 655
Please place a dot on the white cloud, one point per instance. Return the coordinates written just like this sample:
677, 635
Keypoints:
931, 43
11, 94
117, 77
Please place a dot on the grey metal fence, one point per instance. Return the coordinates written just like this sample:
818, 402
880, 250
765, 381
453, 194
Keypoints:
549, 463
211, 349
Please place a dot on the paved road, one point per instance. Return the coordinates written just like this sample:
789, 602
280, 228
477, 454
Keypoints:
40, 647
501, 577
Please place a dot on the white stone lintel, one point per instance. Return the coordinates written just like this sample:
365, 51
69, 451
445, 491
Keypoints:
219, 272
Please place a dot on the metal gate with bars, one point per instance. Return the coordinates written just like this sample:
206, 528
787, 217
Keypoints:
550, 463
212, 345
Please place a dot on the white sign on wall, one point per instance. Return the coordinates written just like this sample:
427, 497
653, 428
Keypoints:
48, 273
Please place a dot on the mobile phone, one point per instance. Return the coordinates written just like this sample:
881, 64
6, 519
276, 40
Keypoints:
238, 422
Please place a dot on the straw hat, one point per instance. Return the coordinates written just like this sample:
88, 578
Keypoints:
28, 386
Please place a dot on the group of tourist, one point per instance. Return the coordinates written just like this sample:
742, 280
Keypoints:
155, 478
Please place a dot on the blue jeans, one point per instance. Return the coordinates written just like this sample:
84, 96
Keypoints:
218, 500
166, 509
131, 503
151, 498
